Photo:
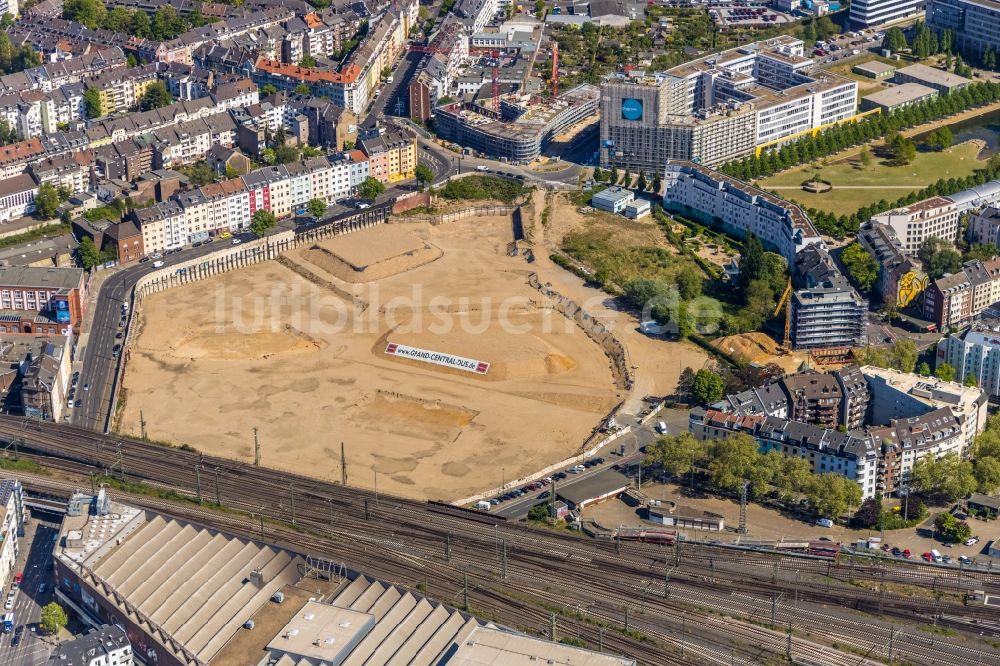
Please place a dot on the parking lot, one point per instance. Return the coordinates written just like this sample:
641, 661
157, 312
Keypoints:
24, 646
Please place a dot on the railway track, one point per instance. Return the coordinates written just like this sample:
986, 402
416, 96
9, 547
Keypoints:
418, 542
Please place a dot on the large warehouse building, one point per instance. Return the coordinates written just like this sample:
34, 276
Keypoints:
187, 595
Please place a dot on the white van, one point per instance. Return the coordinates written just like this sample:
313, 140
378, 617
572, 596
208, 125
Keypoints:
661, 428
157, 264
483, 505
936, 555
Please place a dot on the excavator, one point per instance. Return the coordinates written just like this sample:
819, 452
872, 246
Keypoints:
783, 302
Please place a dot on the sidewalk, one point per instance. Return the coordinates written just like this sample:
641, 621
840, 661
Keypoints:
88, 316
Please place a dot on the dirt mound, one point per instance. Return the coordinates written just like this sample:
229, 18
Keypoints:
759, 348
384, 252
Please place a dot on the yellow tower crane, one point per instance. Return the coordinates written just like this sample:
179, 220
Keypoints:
784, 302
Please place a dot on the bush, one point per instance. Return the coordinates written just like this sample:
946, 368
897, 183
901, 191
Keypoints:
481, 188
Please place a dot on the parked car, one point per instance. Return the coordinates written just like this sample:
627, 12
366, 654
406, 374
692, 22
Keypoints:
824, 522
907, 554
972, 541
964, 559
9, 603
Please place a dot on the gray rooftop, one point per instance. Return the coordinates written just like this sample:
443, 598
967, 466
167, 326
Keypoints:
43, 278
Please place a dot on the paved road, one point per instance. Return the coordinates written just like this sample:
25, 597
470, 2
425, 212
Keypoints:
34, 560
395, 97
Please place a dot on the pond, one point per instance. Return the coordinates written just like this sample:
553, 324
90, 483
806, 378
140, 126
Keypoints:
985, 128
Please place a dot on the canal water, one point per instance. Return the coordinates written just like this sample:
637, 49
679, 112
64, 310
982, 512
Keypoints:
986, 128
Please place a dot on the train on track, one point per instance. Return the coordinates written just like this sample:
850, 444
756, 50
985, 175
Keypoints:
646, 535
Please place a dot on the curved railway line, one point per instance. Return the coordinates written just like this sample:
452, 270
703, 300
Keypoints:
712, 602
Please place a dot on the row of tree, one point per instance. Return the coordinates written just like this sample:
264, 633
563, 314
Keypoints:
16, 59
642, 183
839, 137
166, 23
729, 462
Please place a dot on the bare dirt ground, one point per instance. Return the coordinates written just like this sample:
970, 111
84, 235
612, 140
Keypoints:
266, 347
761, 348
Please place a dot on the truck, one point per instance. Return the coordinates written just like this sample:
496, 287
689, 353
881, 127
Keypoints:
8, 623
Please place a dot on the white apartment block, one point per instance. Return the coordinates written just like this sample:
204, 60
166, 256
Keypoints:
913, 224
699, 191
896, 395
975, 353
107, 645
873, 13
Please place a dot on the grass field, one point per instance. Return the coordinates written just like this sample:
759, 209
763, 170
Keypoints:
854, 186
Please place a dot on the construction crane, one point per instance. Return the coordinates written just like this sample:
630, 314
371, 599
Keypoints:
496, 81
555, 69
785, 302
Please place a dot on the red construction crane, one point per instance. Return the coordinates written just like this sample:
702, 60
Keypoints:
496, 81
555, 69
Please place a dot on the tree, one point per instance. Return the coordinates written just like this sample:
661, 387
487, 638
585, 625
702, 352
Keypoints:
678, 455
952, 529
895, 40
868, 513
155, 96
982, 252
708, 387
539, 9
866, 157
903, 355
201, 174
268, 89
657, 184
87, 254
370, 188
751, 261
539, 512
689, 282
92, 103
948, 477
861, 266
90, 13
939, 257
987, 472
613, 178
423, 174
971, 381
940, 139
924, 369
303, 89
167, 23
316, 207
732, 459
8, 134
642, 185
53, 618
261, 221
307, 61
945, 372
141, 26
283, 153
685, 383
831, 495
46, 201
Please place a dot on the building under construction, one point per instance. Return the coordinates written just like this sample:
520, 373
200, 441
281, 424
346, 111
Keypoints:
522, 126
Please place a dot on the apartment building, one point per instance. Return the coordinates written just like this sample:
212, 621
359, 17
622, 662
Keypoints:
449, 49
854, 455
975, 353
697, 191
392, 156
163, 226
900, 277
45, 379
41, 301
913, 224
754, 95
11, 528
106, 645
954, 301
976, 23
874, 13
826, 311
895, 420
984, 226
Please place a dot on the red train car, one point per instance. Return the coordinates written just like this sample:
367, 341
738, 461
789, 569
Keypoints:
824, 549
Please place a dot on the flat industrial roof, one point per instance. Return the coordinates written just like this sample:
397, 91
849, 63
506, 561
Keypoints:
934, 75
596, 485
876, 67
904, 93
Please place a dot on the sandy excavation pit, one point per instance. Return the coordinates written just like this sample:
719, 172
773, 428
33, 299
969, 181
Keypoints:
283, 350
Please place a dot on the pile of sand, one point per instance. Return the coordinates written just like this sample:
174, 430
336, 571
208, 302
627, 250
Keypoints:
759, 348
377, 255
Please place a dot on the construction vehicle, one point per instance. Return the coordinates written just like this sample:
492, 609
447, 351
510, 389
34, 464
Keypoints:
785, 302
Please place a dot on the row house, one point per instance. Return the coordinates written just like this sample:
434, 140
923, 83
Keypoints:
17, 197
53, 75
14, 158
189, 142
71, 172
954, 301
121, 90
392, 156
163, 226
123, 160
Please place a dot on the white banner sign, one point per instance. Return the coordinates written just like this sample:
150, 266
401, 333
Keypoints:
438, 358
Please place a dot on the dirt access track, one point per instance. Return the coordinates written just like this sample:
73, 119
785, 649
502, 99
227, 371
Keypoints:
297, 349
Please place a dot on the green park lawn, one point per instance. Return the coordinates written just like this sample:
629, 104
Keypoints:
855, 186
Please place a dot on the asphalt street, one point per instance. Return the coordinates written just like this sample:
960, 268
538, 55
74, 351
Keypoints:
29, 649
